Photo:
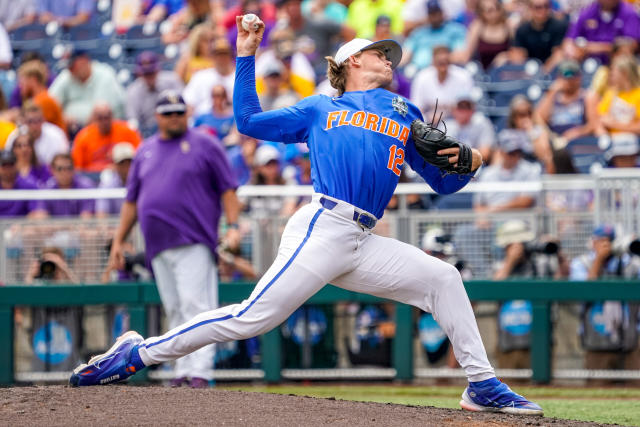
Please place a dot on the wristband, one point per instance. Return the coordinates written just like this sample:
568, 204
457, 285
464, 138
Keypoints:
233, 225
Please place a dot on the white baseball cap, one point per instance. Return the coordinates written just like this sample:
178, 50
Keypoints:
391, 49
122, 151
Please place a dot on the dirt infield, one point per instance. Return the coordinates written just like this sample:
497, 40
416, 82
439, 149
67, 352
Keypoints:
129, 405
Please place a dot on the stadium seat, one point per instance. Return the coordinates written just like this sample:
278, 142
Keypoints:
89, 36
141, 37
511, 79
585, 153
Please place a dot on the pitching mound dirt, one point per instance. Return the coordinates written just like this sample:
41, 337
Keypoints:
155, 405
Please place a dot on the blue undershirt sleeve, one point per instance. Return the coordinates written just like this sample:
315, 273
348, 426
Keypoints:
287, 125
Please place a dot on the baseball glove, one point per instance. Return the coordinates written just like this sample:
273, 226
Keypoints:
429, 140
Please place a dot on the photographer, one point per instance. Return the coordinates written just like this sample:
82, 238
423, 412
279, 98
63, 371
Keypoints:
51, 267
523, 258
609, 328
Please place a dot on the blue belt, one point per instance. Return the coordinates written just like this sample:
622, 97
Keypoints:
363, 219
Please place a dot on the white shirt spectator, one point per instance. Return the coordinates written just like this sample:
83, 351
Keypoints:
52, 141
524, 171
197, 94
479, 132
426, 88
6, 54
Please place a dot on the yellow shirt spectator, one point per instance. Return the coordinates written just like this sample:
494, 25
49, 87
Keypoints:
623, 107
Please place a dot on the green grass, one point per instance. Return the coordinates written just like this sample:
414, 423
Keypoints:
610, 405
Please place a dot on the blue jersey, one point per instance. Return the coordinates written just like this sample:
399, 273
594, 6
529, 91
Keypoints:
358, 142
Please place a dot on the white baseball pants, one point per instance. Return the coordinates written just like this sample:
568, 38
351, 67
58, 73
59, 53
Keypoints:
322, 246
187, 281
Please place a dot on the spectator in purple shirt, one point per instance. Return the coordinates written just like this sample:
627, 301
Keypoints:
598, 26
27, 162
68, 13
178, 183
65, 178
10, 180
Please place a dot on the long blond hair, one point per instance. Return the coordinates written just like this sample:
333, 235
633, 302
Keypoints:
629, 67
196, 34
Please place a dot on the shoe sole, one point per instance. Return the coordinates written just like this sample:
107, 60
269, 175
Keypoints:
474, 407
113, 348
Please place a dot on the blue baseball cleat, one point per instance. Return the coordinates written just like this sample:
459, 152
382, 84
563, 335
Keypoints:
494, 396
113, 366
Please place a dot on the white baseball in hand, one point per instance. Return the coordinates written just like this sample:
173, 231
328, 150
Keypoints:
248, 19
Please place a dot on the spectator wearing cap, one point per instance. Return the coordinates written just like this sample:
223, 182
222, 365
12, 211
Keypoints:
383, 30
511, 167
540, 37
363, 14
298, 73
197, 93
598, 27
608, 329
199, 53
178, 185
442, 82
48, 139
489, 35
64, 177
32, 81
317, 37
144, 91
115, 176
267, 171
11, 180
82, 85
27, 162
563, 107
623, 151
276, 93
92, 146
619, 108
220, 119
419, 48
14, 14
472, 127
68, 13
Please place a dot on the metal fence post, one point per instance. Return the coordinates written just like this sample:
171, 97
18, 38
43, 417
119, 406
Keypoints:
138, 323
6, 349
272, 355
541, 342
402, 343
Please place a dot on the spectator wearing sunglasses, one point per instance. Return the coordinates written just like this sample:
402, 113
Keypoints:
64, 177
93, 144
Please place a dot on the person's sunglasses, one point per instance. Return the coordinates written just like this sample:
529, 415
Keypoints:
63, 168
540, 6
172, 113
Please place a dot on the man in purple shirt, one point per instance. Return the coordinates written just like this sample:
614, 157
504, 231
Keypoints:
599, 25
178, 183
10, 180
65, 178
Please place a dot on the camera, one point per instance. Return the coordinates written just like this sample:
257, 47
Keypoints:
133, 260
547, 248
621, 246
47, 270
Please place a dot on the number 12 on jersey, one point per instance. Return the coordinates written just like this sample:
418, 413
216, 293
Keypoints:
396, 158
